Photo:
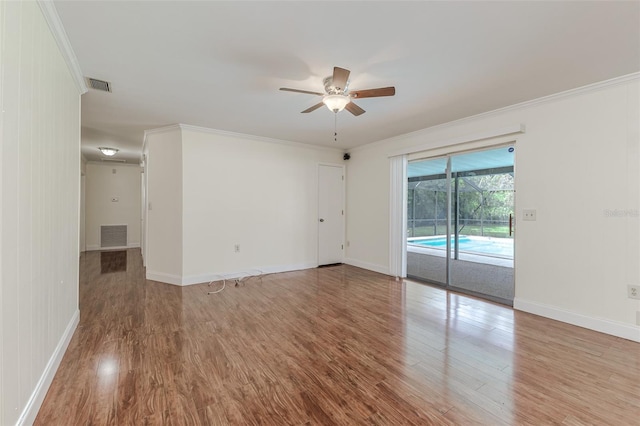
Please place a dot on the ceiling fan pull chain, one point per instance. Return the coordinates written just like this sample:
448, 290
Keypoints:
335, 127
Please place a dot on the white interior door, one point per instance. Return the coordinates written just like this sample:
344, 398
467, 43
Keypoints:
330, 214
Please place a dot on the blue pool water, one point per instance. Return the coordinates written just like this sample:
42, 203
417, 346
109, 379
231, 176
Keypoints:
501, 247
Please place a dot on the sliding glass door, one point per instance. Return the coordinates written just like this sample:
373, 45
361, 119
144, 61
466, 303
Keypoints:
460, 233
427, 213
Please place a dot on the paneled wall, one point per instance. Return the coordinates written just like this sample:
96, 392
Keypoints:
40, 184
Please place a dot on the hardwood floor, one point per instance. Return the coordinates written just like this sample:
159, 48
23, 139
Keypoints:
337, 345
113, 261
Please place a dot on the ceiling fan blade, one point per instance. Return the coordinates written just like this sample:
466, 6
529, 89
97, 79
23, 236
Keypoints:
354, 109
313, 108
373, 93
340, 77
286, 89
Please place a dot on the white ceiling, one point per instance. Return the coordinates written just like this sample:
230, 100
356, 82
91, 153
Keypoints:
220, 64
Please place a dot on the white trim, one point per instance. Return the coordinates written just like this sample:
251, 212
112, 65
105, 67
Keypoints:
564, 94
398, 216
332, 165
475, 137
614, 328
206, 278
30, 411
165, 129
163, 278
98, 248
368, 266
211, 276
542, 100
60, 36
258, 138
217, 132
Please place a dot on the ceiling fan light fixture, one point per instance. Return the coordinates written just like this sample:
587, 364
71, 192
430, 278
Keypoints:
336, 103
109, 152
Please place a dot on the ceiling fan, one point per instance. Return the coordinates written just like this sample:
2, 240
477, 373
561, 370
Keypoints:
337, 95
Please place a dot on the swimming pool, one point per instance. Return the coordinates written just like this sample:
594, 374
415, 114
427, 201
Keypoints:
499, 247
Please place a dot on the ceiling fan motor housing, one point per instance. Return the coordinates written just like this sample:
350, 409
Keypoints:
333, 90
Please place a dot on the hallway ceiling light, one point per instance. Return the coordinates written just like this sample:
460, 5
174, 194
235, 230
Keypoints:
109, 152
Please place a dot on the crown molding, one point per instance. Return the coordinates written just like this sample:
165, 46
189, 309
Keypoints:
258, 138
165, 129
60, 35
526, 104
560, 95
191, 128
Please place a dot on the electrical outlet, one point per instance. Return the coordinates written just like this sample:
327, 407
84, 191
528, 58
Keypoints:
236, 248
633, 291
637, 317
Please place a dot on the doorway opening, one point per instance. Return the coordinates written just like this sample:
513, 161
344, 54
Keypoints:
460, 229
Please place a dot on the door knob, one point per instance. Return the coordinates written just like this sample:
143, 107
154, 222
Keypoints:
321, 220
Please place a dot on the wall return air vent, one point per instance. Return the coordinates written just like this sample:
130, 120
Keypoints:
113, 236
94, 83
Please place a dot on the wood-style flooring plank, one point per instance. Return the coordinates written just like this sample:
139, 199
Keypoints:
328, 346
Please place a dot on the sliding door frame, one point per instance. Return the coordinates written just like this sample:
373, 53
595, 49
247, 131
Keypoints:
398, 185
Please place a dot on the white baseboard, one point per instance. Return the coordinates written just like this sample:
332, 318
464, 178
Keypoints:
163, 278
614, 328
98, 248
370, 266
205, 278
30, 411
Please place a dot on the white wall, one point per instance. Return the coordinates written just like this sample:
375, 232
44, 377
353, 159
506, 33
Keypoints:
40, 183
260, 194
102, 185
578, 159
163, 167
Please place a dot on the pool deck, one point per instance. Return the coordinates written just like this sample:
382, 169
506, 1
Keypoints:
470, 257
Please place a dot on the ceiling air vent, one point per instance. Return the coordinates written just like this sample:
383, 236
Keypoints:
105, 86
